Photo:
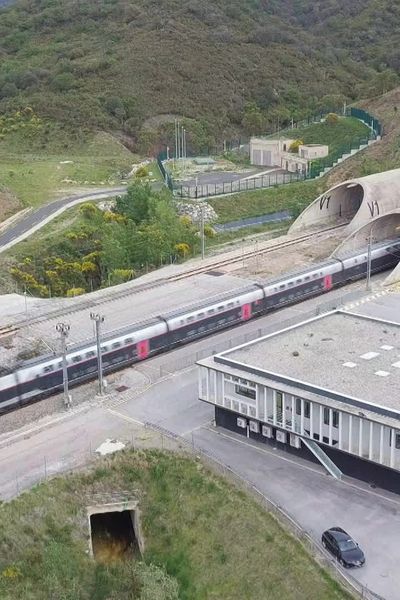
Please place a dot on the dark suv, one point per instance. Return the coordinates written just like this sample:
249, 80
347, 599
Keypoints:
343, 547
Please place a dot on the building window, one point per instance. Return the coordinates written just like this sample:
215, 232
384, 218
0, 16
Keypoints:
396, 440
244, 391
306, 408
335, 417
279, 402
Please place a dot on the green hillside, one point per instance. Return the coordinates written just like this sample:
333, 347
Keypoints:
232, 66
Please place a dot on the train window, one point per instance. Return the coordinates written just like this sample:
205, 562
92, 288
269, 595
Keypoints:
282, 287
299, 281
59, 365
90, 354
200, 315
48, 369
76, 359
191, 318
315, 275
128, 341
210, 311
306, 278
291, 283
116, 345
104, 348
220, 307
230, 304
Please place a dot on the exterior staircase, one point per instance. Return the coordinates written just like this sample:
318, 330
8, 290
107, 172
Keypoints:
323, 458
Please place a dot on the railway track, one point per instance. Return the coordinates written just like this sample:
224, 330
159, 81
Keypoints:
210, 266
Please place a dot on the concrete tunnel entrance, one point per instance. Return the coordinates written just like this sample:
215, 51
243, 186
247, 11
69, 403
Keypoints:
338, 205
114, 532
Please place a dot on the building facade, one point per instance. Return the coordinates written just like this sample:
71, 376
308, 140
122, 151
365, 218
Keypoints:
360, 437
275, 153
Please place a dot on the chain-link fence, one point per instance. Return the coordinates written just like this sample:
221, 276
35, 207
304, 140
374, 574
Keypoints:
316, 169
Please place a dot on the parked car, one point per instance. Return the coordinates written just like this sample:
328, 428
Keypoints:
343, 547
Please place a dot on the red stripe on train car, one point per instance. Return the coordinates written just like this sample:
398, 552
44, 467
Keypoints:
246, 312
143, 349
327, 282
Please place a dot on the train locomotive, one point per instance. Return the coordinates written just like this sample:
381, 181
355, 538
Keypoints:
40, 377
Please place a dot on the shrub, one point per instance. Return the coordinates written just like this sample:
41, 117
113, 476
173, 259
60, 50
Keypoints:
332, 119
294, 146
209, 231
142, 172
72, 292
182, 249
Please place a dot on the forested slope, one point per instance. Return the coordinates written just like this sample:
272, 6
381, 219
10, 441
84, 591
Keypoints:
233, 65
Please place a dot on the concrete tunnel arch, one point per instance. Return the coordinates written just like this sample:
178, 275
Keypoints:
377, 230
356, 201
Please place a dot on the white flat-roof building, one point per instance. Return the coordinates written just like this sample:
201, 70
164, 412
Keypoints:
327, 388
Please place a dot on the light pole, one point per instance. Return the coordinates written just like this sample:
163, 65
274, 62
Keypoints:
63, 330
203, 252
369, 259
98, 319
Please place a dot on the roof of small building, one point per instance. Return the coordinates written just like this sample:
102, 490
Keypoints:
341, 356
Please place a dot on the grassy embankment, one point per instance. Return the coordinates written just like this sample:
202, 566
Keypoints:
346, 130
40, 161
293, 196
207, 539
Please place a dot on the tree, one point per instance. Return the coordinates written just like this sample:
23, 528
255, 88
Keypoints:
253, 120
8, 90
135, 204
63, 82
115, 107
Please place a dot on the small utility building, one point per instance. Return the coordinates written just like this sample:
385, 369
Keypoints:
328, 389
276, 153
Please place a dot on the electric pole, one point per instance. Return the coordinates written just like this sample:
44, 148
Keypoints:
202, 232
369, 260
63, 330
98, 319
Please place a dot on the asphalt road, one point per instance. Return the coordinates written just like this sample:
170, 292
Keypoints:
34, 220
303, 489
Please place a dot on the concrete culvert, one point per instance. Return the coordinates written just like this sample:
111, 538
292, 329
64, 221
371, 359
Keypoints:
114, 532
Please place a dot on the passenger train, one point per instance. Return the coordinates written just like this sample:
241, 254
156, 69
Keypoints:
42, 376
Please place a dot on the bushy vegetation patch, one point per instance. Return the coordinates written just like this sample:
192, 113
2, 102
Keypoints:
105, 247
203, 539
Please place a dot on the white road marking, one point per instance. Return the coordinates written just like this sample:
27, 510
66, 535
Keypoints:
125, 417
